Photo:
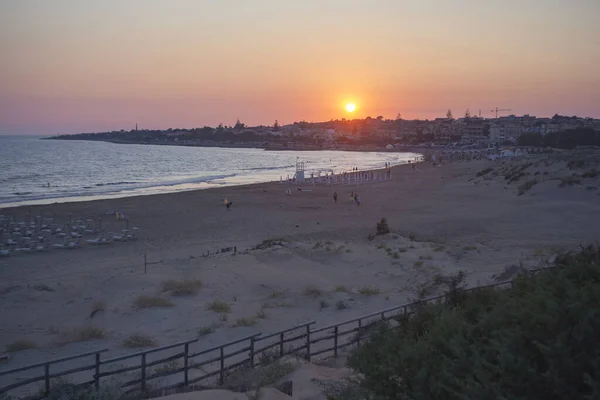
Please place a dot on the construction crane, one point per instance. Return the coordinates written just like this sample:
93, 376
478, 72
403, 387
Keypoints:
499, 109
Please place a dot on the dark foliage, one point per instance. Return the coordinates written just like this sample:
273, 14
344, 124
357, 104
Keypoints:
536, 341
382, 227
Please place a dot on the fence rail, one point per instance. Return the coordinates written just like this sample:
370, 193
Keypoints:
219, 360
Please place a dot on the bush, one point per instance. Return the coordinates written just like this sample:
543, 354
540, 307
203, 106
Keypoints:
536, 341
382, 227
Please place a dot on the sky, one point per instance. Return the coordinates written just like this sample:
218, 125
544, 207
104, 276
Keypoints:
71, 66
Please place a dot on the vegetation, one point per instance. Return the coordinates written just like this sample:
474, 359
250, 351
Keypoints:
313, 292
180, 288
536, 341
150, 302
139, 340
341, 305
382, 227
219, 306
22, 344
323, 304
341, 288
83, 334
206, 330
245, 322
368, 291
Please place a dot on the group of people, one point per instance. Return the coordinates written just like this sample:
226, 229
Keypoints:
355, 197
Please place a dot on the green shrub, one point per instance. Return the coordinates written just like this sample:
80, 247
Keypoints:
536, 341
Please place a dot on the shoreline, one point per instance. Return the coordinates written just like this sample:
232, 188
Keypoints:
211, 186
246, 186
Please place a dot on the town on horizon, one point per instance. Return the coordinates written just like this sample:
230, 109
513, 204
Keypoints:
365, 133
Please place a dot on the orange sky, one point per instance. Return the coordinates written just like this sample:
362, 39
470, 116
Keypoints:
71, 66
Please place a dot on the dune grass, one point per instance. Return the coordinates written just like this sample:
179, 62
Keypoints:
139, 340
312, 291
245, 322
369, 291
219, 306
21, 344
151, 302
181, 288
205, 330
341, 289
261, 314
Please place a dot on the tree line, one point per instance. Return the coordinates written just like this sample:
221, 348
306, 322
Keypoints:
568, 139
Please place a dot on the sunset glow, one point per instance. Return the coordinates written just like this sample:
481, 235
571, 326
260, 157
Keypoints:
92, 66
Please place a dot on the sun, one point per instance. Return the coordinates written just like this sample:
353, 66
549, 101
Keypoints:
350, 107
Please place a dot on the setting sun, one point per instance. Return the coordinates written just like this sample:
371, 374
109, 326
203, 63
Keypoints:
350, 107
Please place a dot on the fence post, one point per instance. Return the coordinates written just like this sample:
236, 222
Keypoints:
222, 372
281, 344
47, 378
143, 373
252, 352
186, 363
405, 312
97, 372
308, 343
335, 341
359, 330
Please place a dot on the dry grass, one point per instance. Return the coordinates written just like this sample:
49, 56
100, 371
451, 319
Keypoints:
261, 314
150, 302
368, 291
18, 345
89, 333
181, 288
341, 289
245, 322
206, 330
313, 292
219, 306
139, 340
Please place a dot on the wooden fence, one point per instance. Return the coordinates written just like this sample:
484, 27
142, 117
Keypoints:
196, 365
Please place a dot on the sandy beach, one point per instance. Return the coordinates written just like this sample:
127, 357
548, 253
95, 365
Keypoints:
442, 220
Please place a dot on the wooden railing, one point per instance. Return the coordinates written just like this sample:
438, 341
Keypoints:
200, 365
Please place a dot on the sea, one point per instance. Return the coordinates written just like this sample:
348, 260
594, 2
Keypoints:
36, 171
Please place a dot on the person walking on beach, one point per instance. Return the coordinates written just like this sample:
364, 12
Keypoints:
335, 197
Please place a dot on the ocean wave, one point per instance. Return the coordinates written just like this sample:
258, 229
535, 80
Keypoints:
269, 168
111, 188
115, 183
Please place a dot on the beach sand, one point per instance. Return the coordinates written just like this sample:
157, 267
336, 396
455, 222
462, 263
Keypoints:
443, 220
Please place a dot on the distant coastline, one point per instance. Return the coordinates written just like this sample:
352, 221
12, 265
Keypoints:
264, 146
